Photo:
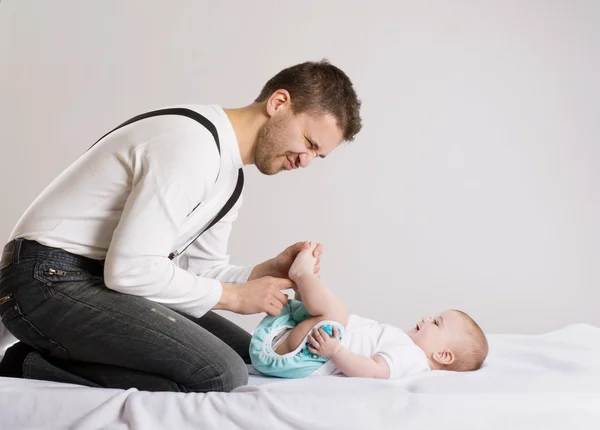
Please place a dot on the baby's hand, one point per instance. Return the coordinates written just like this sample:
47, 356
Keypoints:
322, 344
304, 264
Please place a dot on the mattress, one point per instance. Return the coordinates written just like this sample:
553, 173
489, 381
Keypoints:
548, 381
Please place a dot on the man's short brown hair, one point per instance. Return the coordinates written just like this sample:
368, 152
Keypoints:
320, 88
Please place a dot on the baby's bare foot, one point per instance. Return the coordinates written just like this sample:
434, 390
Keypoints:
304, 263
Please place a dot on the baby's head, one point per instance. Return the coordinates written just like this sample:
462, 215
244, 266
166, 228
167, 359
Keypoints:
451, 341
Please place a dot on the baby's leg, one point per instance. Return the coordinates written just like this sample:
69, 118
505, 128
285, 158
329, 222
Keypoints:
297, 335
321, 303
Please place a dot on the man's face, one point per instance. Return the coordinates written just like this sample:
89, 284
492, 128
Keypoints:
288, 141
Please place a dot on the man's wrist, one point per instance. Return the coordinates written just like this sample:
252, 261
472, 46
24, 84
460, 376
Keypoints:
266, 268
229, 300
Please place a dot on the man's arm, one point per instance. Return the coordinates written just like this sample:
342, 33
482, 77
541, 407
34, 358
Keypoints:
244, 289
279, 266
166, 185
259, 295
208, 256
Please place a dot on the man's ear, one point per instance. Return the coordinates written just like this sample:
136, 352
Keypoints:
444, 357
279, 99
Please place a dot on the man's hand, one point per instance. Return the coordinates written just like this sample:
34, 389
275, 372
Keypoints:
280, 266
322, 344
260, 295
284, 261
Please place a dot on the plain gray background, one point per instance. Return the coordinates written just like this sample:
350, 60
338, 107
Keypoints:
474, 184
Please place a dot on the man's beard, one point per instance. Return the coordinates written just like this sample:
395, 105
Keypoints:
270, 147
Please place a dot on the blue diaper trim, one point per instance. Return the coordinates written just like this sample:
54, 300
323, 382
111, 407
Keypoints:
296, 364
327, 328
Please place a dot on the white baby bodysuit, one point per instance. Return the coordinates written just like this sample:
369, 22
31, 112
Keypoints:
368, 337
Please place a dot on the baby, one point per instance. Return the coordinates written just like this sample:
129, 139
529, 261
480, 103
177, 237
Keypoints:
313, 335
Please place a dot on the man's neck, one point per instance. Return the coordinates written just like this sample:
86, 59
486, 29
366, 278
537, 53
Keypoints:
246, 123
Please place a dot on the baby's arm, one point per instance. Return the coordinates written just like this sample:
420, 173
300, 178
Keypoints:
360, 366
349, 363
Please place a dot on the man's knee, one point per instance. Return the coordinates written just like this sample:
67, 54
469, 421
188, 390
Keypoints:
225, 373
236, 375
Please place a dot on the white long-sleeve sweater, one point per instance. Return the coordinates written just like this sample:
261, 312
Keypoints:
127, 201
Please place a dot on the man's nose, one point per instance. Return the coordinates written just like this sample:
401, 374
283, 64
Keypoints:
304, 160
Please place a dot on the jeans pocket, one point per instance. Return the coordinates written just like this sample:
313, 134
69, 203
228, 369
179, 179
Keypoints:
9, 309
53, 272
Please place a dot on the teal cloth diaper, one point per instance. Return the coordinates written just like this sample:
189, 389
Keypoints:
296, 364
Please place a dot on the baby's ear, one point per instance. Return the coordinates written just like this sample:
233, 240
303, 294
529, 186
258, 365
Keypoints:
444, 357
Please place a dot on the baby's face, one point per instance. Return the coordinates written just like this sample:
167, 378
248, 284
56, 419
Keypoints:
435, 334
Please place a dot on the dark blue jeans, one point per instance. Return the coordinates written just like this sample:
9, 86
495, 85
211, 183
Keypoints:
87, 334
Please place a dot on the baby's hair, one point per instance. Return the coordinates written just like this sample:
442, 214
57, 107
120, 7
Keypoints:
470, 348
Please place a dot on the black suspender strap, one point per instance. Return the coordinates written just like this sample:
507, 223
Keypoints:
224, 210
213, 130
192, 114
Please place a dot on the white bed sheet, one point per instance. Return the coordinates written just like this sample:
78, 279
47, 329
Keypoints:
549, 381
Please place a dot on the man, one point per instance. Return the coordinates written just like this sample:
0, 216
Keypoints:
110, 276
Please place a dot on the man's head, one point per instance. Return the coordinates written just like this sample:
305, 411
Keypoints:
451, 341
311, 108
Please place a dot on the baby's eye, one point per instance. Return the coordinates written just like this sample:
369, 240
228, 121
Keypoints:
435, 322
